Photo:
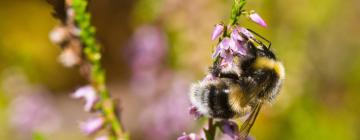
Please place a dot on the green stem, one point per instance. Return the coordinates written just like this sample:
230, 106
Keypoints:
236, 11
97, 75
211, 131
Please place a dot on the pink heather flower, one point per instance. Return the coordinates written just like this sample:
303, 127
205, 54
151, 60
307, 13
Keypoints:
225, 43
227, 59
33, 111
257, 19
92, 125
236, 42
223, 46
236, 47
219, 28
245, 32
191, 136
230, 128
236, 36
226, 49
88, 93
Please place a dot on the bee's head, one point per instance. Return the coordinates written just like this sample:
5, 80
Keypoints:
264, 51
260, 51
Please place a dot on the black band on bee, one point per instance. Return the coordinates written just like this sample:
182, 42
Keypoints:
219, 103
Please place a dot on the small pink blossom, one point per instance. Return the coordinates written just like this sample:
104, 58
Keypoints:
92, 125
255, 17
223, 46
227, 59
219, 29
236, 36
245, 32
236, 47
88, 93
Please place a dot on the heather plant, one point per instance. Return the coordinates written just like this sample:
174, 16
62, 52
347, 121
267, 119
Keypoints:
152, 50
76, 36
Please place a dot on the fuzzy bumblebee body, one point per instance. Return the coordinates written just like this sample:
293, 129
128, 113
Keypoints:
236, 92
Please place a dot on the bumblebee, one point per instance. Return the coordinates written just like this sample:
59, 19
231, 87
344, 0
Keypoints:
255, 79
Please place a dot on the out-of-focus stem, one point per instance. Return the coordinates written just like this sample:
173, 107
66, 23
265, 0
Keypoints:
211, 131
97, 76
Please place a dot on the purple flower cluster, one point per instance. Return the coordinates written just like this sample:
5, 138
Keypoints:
232, 45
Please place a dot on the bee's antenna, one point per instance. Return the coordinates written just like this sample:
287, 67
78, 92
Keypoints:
261, 38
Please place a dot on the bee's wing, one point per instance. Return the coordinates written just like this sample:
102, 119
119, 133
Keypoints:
249, 122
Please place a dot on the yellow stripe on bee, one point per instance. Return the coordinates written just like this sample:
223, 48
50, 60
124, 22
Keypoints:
237, 101
264, 62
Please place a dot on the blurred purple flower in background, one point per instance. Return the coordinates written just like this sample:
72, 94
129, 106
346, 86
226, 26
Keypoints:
148, 53
33, 113
31, 108
87, 93
169, 114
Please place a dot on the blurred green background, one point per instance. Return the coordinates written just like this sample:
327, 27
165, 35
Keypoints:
318, 42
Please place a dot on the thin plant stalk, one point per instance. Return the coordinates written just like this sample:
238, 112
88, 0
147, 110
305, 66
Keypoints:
97, 75
235, 14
